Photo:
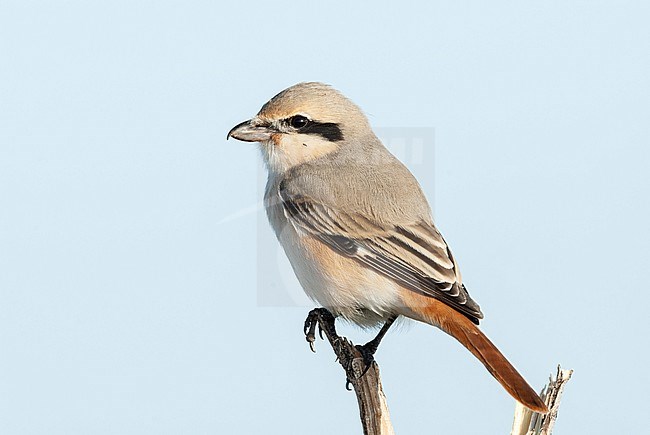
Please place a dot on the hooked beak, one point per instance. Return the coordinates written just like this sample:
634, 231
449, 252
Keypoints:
251, 131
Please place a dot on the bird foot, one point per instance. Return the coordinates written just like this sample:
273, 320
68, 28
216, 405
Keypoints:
325, 321
367, 352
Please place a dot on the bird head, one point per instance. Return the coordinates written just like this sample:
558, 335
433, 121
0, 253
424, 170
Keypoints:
302, 123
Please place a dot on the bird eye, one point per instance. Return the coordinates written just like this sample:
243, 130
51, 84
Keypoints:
298, 121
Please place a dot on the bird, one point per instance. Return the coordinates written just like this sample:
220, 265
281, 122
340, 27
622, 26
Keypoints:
357, 228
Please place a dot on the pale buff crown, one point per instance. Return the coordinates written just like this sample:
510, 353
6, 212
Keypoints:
319, 102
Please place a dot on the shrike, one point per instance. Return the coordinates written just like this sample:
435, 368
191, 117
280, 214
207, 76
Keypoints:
357, 228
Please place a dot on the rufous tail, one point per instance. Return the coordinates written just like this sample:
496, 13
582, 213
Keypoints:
463, 330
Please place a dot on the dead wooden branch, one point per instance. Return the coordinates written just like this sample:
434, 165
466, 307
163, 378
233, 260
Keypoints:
527, 422
373, 408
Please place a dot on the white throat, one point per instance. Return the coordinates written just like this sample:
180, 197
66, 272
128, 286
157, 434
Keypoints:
288, 151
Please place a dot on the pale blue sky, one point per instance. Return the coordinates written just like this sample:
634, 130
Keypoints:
130, 305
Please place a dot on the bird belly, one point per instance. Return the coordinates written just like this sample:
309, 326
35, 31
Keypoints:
341, 284
338, 283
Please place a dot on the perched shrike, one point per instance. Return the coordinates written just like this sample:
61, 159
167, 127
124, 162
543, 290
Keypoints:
357, 228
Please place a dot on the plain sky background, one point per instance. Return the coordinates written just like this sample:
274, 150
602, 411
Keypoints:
130, 295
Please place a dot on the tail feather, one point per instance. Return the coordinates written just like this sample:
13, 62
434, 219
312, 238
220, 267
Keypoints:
497, 364
468, 334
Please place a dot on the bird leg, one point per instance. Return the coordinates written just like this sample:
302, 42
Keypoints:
368, 350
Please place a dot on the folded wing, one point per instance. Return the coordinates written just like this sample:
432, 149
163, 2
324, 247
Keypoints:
415, 255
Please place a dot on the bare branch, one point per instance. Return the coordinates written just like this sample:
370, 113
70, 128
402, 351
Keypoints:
527, 422
373, 408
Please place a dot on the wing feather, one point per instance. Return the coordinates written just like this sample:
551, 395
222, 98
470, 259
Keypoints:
415, 256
